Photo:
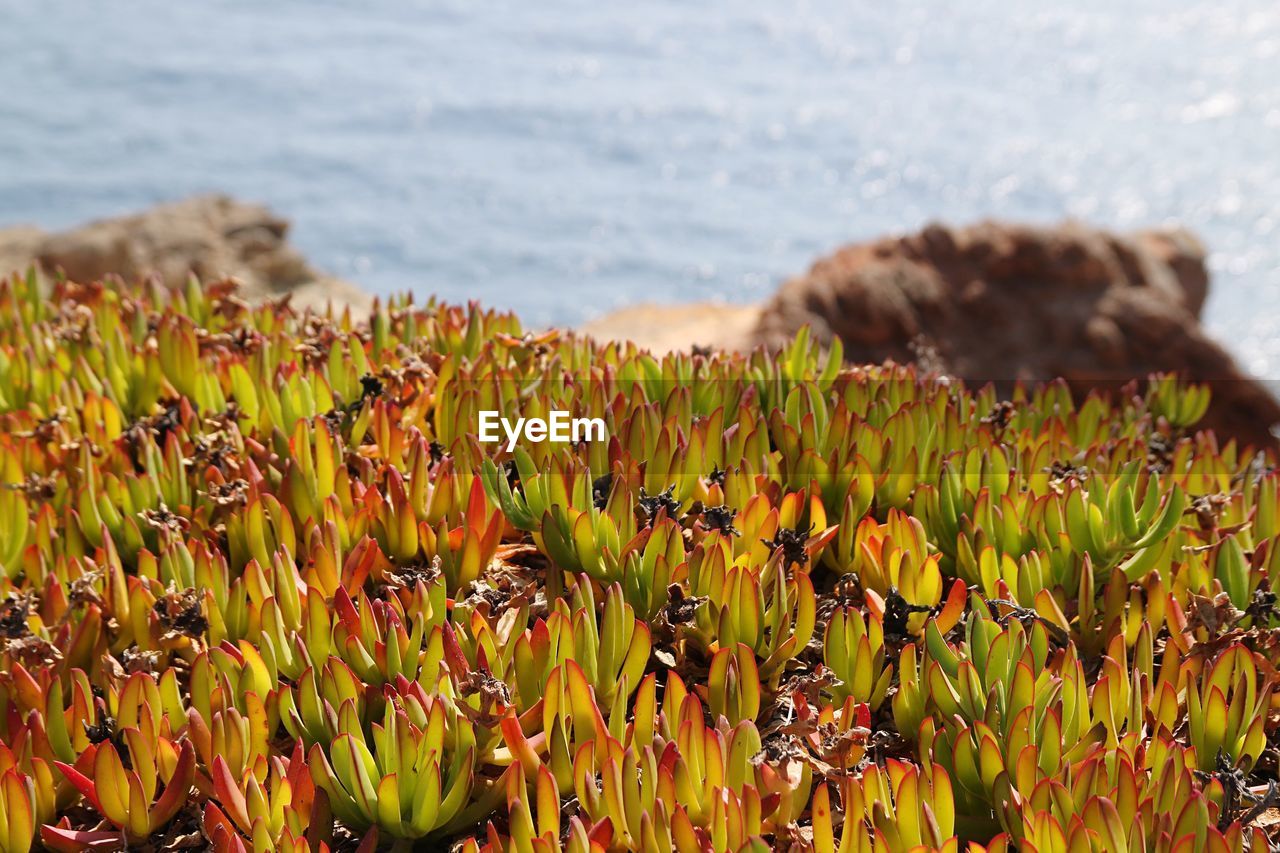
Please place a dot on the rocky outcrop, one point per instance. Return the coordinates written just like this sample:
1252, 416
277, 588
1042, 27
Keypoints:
998, 302
211, 236
19, 246
670, 328
995, 302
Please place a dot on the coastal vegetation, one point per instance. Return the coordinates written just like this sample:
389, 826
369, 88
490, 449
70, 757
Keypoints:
265, 589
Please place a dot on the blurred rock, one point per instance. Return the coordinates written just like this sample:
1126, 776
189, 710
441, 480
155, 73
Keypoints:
995, 302
999, 303
211, 236
663, 328
19, 245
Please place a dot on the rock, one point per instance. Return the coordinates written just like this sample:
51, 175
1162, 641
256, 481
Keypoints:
18, 247
211, 236
1000, 303
715, 325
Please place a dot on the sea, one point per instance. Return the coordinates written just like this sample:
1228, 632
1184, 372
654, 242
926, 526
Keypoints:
566, 158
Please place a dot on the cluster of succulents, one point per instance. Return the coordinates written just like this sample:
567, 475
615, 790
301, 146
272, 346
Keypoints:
264, 589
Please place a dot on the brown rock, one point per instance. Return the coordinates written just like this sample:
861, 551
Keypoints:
1001, 303
661, 328
212, 237
18, 247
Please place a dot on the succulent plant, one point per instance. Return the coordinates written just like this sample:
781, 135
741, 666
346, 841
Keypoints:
263, 587
130, 799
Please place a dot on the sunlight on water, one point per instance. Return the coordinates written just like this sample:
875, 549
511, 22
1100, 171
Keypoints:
566, 158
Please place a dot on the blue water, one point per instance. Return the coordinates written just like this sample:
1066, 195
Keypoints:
565, 158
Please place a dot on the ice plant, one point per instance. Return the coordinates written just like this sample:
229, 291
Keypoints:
411, 778
264, 587
854, 650
273, 814
127, 798
20, 812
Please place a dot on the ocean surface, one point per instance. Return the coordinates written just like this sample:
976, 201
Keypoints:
567, 158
